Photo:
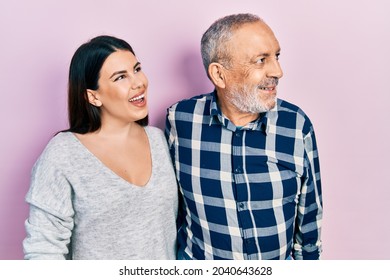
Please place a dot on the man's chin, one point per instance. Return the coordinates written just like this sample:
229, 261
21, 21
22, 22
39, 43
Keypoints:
272, 106
269, 105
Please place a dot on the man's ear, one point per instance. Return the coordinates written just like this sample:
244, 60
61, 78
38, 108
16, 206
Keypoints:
217, 74
92, 98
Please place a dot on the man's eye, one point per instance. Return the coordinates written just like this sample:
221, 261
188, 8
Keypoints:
260, 60
277, 56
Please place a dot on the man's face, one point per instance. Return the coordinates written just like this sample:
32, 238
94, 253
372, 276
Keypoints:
251, 80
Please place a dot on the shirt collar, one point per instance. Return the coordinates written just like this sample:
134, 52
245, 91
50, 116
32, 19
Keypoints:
217, 118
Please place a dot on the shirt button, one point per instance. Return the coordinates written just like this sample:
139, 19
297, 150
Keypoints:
238, 170
241, 205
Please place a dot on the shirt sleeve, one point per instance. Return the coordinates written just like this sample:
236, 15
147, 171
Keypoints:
307, 238
50, 222
171, 136
170, 133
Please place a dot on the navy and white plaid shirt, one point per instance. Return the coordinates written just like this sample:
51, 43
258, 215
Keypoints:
248, 193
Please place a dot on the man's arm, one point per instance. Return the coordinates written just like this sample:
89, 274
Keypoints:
307, 236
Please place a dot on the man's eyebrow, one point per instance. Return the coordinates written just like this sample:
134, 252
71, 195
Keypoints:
268, 54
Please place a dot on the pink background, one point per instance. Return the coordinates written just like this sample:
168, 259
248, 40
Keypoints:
335, 57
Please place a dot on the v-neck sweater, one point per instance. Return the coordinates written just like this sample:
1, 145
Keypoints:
81, 209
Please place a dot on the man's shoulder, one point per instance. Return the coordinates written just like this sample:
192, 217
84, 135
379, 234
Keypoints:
291, 115
189, 103
288, 107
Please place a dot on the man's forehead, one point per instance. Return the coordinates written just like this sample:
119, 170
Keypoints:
254, 37
249, 29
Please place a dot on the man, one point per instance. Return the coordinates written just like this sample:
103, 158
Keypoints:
246, 162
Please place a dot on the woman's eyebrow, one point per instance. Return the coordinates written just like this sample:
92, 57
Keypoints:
118, 72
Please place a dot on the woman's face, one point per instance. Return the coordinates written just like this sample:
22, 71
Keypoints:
122, 91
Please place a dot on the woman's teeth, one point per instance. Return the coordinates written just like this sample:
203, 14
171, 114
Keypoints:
137, 98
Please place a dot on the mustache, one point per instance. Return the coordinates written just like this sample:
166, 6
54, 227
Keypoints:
270, 82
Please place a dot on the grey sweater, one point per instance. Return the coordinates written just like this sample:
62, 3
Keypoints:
80, 209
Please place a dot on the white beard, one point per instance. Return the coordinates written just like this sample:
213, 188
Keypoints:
246, 99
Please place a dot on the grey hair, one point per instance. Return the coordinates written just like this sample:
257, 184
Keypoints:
214, 47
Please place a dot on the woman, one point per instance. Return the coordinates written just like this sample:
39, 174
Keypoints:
104, 188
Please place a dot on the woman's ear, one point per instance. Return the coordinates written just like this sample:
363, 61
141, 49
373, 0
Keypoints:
92, 98
217, 74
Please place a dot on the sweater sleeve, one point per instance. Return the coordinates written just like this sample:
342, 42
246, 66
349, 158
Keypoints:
50, 222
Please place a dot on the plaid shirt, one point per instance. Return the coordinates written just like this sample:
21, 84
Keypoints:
248, 193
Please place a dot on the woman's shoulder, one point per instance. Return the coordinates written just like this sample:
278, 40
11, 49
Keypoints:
58, 147
156, 137
154, 132
60, 141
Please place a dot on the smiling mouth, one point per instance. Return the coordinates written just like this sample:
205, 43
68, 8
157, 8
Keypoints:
267, 88
137, 98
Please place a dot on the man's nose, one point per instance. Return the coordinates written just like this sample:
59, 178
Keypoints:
275, 70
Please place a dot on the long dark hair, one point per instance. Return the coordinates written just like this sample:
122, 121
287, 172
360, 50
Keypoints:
84, 73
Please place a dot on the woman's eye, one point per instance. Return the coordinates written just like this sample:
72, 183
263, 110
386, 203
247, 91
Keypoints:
138, 69
119, 78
